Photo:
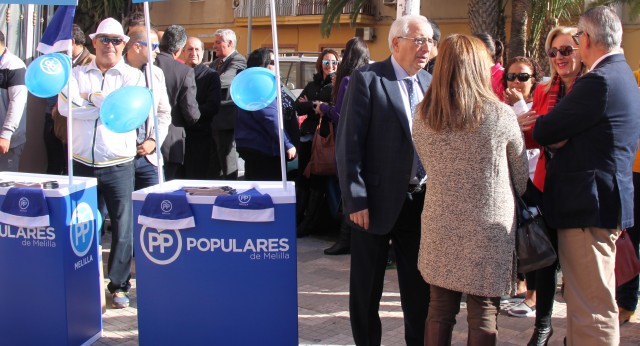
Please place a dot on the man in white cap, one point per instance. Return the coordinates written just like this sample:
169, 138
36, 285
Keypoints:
98, 152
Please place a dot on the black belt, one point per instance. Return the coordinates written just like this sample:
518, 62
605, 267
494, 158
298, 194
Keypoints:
416, 188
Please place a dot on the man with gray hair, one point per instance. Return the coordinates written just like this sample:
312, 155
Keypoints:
181, 87
588, 192
224, 159
385, 204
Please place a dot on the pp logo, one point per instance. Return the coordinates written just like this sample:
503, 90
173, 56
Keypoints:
166, 206
244, 199
160, 246
23, 203
50, 65
82, 230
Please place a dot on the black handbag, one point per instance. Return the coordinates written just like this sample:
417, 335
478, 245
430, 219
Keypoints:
534, 249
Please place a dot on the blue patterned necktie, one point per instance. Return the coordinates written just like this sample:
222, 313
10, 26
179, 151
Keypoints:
413, 103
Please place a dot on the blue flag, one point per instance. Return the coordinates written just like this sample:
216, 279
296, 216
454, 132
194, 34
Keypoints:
57, 36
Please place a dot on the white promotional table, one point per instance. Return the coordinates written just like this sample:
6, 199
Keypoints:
50, 292
220, 282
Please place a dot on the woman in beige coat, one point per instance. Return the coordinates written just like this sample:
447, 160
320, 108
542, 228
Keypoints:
472, 149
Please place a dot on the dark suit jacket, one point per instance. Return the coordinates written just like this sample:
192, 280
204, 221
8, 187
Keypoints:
225, 118
589, 180
374, 146
181, 88
207, 96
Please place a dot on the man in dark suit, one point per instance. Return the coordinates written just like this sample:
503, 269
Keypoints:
181, 87
224, 158
198, 145
382, 189
588, 192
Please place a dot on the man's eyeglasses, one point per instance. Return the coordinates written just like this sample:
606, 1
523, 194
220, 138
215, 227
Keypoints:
154, 46
272, 62
332, 62
576, 37
116, 41
420, 41
523, 77
563, 50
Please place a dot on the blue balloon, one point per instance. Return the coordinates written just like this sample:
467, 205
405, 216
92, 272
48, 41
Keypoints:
254, 88
48, 74
126, 109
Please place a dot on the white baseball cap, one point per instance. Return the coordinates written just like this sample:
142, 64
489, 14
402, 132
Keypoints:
110, 26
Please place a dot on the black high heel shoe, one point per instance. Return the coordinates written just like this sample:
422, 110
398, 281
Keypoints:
540, 336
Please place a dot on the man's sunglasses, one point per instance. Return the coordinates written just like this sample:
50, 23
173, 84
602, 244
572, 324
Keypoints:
563, 50
332, 62
116, 41
154, 46
523, 77
272, 62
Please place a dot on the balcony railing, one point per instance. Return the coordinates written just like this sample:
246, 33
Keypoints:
261, 8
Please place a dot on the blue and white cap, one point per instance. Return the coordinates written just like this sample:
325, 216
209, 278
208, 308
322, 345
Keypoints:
25, 207
168, 210
248, 206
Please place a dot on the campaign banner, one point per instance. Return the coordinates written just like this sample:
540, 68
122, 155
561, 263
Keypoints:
40, 2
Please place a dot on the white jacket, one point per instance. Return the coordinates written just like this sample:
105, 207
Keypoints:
94, 144
163, 111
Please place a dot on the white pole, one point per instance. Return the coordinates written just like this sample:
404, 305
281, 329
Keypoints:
147, 24
70, 122
274, 34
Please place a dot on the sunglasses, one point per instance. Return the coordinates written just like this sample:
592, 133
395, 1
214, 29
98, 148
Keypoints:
576, 37
116, 41
523, 77
272, 62
332, 62
154, 46
563, 50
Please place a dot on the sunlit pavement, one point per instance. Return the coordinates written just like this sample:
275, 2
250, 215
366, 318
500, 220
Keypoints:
323, 317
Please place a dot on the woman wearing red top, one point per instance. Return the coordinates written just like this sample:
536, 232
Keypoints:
565, 67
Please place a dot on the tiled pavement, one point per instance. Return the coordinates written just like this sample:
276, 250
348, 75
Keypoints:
323, 317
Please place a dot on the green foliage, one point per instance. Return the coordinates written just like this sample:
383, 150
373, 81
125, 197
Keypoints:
334, 11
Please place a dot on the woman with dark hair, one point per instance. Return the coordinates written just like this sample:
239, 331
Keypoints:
310, 191
495, 48
473, 151
257, 132
565, 66
356, 54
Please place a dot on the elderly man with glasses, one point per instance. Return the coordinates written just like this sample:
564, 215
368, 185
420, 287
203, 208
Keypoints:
588, 192
382, 180
98, 152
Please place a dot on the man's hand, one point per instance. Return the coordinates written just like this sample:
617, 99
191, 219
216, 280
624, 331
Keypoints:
4, 146
85, 96
147, 147
360, 218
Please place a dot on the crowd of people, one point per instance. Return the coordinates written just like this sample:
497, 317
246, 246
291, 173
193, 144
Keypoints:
429, 154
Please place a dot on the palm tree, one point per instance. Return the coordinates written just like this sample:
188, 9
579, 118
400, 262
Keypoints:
520, 13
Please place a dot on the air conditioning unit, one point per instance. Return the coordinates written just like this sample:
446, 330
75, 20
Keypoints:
389, 2
367, 34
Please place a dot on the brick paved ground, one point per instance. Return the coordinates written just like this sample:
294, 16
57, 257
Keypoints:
323, 316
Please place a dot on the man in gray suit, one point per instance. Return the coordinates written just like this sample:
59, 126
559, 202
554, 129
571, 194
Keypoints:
382, 179
223, 163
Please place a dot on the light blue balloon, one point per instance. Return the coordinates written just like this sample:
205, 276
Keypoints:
254, 88
48, 74
126, 109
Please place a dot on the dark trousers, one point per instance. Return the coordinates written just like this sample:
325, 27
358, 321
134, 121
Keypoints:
259, 166
197, 154
56, 150
223, 162
482, 312
173, 171
368, 263
627, 293
146, 174
115, 185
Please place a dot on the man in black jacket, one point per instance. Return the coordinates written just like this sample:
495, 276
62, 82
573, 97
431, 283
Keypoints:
181, 87
198, 146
